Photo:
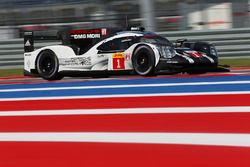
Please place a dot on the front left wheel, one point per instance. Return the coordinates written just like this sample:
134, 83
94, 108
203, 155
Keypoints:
47, 65
143, 61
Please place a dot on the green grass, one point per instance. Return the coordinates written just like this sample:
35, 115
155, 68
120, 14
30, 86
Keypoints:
11, 72
235, 62
231, 62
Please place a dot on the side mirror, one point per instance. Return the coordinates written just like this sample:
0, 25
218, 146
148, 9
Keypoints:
179, 42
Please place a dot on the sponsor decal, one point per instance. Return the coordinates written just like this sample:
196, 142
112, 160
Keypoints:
127, 56
104, 31
171, 61
28, 64
78, 61
118, 55
101, 56
86, 34
28, 33
27, 43
127, 40
93, 31
118, 61
27, 54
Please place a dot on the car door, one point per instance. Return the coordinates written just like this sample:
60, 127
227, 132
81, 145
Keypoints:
112, 51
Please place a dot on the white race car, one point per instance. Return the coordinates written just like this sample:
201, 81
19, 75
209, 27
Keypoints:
92, 51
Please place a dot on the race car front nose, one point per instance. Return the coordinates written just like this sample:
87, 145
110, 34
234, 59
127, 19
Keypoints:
201, 58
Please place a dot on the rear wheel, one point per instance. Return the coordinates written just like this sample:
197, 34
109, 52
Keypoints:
47, 65
143, 61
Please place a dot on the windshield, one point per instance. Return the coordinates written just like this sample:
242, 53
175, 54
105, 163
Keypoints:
155, 39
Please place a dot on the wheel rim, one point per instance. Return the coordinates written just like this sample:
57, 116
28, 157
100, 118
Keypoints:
47, 65
142, 62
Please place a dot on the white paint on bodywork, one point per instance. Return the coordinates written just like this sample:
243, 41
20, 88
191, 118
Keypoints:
61, 51
100, 66
66, 53
156, 53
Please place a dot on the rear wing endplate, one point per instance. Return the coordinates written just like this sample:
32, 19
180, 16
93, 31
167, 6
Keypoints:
28, 41
29, 38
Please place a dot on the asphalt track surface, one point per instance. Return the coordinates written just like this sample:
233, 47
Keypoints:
167, 120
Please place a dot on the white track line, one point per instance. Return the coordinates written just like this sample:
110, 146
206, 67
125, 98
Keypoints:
128, 111
123, 95
212, 139
126, 86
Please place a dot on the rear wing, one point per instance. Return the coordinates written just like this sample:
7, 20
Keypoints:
90, 35
29, 38
83, 38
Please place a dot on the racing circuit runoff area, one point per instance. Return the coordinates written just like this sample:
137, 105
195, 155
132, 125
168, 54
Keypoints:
166, 120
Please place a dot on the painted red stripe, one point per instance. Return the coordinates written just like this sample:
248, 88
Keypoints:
240, 68
43, 154
205, 122
14, 77
31, 81
129, 102
14, 82
195, 75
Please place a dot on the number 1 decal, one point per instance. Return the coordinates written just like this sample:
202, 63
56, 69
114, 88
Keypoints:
118, 61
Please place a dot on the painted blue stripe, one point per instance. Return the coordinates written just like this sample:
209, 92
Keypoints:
120, 91
126, 82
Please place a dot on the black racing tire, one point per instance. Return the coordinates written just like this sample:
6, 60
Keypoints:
47, 65
143, 61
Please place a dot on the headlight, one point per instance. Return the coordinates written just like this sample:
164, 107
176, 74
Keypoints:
166, 51
213, 51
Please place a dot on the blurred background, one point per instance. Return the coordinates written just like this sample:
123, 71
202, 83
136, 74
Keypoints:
224, 23
49, 16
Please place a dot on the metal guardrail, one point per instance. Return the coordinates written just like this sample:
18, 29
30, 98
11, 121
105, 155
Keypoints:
229, 43
11, 52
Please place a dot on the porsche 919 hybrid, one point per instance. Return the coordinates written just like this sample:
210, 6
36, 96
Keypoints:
95, 51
